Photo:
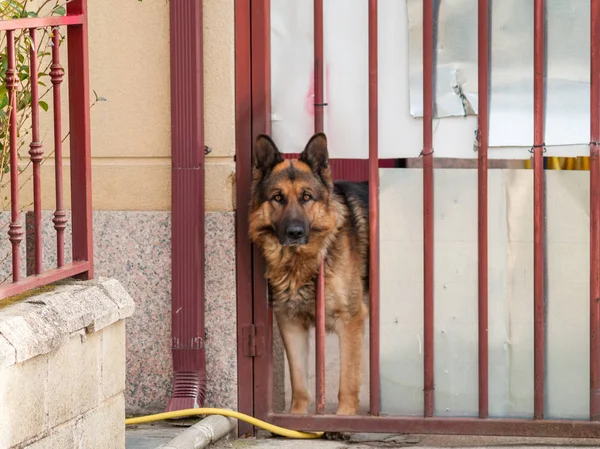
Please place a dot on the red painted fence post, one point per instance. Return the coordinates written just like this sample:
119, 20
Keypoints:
81, 157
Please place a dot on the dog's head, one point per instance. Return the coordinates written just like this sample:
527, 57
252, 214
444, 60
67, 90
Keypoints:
291, 199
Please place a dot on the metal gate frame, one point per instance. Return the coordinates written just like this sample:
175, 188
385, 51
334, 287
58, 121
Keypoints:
255, 319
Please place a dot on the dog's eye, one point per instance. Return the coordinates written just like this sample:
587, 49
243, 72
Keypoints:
306, 197
278, 198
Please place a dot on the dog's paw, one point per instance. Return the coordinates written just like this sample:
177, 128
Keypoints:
299, 408
346, 410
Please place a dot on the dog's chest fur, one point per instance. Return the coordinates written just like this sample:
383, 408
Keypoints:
293, 283
292, 287
299, 304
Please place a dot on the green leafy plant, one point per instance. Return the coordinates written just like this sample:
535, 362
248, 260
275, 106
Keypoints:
12, 9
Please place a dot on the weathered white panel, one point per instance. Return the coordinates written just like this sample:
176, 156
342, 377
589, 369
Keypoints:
568, 295
401, 318
510, 293
400, 77
346, 84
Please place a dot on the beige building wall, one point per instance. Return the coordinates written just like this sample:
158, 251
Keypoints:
129, 65
131, 141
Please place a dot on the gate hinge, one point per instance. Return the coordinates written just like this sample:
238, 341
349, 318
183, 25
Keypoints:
253, 340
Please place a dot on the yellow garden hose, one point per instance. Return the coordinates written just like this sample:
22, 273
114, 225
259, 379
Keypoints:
230, 413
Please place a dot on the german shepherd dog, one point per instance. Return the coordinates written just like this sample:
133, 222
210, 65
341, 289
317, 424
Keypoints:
298, 218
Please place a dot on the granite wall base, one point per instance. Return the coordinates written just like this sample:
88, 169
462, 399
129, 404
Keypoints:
134, 247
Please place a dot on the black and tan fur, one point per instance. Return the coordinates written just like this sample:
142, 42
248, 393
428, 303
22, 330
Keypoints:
298, 217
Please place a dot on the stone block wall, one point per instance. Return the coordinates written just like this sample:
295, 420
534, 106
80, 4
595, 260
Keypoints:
62, 367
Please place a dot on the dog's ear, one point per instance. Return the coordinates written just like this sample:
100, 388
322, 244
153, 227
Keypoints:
315, 155
266, 154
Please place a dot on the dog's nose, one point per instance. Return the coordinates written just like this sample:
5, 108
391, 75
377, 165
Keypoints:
294, 232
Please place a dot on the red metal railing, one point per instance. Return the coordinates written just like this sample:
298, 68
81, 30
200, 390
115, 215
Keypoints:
257, 121
538, 211
80, 156
319, 104
482, 203
428, 204
374, 386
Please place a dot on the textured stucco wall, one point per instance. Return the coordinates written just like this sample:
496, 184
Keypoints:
131, 140
131, 131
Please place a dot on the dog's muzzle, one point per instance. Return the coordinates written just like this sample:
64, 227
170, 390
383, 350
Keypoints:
295, 234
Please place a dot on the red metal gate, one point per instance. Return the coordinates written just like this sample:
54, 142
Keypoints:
255, 323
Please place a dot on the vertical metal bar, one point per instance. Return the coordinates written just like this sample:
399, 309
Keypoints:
15, 231
29, 244
374, 378
320, 342
320, 300
319, 106
538, 210
60, 216
482, 202
428, 206
261, 123
243, 170
79, 117
36, 151
595, 211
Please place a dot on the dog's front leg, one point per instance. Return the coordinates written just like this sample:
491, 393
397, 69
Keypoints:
295, 341
350, 331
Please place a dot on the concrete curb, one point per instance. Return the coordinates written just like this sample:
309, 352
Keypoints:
201, 434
